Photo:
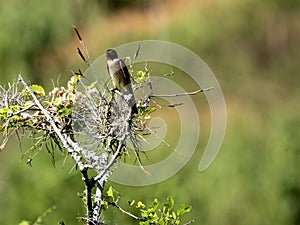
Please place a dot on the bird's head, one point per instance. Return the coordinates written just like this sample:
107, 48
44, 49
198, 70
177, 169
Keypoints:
111, 54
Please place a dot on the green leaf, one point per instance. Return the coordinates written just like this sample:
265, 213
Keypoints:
64, 111
141, 74
144, 213
131, 203
92, 85
140, 205
183, 209
73, 82
75, 79
29, 123
104, 204
15, 108
4, 112
8, 112
24, 222
150, 110
110, 192
37, 89
155, 204
173, 215
170, 204
161, 222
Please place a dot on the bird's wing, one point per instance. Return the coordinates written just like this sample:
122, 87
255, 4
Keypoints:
125, 71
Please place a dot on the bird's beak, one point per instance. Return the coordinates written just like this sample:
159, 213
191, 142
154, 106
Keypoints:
108, 58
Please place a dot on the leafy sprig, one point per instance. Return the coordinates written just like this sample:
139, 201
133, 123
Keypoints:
155, 214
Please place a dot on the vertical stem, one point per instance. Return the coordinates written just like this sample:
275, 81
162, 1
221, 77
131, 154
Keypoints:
97, 204
93, 205
88, 194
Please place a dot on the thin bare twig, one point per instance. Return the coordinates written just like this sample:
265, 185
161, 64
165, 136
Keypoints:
149, 78
173, 105
182, 94
38, 220
191, 221
20, 111
124, 211
164, 76
113, 159
137, 52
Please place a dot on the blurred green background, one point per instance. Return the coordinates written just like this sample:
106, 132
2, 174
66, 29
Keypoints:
252, 47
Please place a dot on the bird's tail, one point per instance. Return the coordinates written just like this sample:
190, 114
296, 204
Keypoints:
132, 103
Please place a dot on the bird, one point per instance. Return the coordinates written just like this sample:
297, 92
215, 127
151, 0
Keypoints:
120, 76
